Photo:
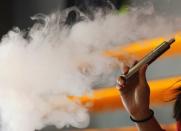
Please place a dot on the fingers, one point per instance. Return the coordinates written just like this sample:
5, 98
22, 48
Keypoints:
121, 82
124, 85
142, 74
125, 69
134, 63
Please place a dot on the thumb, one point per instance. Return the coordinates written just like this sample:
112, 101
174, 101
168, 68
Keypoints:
142, 74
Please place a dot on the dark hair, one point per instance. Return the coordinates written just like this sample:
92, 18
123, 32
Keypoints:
177, 105
173, 93
73, 17
88, 7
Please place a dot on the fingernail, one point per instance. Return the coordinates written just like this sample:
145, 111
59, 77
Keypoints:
120, 86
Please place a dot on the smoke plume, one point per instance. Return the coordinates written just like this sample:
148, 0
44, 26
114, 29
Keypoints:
62, 56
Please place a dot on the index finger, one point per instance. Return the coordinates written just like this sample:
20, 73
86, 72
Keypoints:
125, 68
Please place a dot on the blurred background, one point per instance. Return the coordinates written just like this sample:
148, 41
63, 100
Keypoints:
18, 12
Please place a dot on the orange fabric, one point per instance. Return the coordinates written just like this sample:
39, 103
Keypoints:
109, 98
140, 48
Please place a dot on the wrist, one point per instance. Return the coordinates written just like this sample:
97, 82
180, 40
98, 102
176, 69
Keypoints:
141, 114
145, 119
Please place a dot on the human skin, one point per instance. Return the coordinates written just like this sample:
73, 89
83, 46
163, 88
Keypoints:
135, 96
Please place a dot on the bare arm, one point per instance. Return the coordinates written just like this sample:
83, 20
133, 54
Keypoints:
135, 95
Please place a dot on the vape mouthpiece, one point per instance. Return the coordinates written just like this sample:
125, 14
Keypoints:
171, 41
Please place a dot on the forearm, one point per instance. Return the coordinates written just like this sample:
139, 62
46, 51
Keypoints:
150, 125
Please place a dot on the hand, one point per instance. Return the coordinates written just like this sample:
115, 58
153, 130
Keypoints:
135, 93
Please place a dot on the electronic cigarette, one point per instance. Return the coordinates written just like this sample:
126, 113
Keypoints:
149, 58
